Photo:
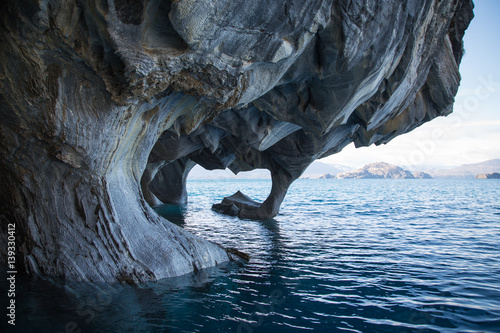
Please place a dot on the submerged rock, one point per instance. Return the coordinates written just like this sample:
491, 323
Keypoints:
107, 105
237, 255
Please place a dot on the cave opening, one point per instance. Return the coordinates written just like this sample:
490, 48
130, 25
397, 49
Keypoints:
196, 189
86, 91
236, 141
159, 35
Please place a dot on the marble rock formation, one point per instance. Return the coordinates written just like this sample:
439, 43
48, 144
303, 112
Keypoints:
107, 104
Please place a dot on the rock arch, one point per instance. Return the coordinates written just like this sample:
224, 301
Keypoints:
96, 100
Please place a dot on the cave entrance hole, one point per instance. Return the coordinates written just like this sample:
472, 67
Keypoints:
181, 186
210, 188
219, 147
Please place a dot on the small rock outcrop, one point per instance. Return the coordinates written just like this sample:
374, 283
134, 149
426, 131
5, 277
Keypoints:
494, 175
421, 175
380, 170
321, 176
106, 105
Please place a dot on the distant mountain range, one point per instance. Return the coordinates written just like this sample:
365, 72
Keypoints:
467, 171
199, 173
381, 170
315, 170
320, 170
385, 170
494, 175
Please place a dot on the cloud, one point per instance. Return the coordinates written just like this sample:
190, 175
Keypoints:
441, 143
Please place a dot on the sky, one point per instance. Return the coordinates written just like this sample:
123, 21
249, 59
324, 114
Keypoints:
471, 134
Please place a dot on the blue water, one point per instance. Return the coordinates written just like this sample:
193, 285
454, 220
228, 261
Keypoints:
342, 256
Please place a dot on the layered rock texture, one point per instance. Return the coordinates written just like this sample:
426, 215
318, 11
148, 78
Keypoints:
106, 105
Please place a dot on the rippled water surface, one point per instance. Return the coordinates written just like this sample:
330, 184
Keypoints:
343, 256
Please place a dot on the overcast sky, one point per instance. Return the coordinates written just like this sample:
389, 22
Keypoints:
471, 133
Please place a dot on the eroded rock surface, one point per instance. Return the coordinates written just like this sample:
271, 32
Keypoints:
106, 105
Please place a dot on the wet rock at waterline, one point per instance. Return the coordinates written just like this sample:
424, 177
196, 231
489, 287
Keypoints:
107, 105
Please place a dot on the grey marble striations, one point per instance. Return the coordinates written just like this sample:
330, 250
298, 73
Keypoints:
107, 105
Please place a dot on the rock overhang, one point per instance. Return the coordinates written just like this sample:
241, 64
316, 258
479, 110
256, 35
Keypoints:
116, 100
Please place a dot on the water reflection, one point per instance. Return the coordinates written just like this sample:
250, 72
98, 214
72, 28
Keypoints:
173, 213
325, 267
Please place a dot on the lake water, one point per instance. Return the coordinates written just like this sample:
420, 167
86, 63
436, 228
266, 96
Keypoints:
342, 256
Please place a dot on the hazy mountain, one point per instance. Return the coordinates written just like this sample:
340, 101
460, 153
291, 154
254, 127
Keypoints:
494, 175
377, 170
315, 170
421, 175
199, 172
467, 171
318, 169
